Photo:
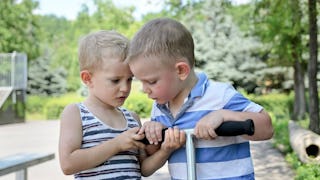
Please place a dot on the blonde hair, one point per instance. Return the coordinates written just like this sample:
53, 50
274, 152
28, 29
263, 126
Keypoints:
97, 45
165, 38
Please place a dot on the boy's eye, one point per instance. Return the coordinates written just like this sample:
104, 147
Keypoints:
130, 79
115, 81
152, 82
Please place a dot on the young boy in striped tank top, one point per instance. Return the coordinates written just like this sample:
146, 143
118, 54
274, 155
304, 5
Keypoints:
98, 138
161, 56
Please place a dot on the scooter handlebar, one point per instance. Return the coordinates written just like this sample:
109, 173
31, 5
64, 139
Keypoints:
228, 128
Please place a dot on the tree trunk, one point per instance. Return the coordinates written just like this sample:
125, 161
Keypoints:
299, 109
312, 69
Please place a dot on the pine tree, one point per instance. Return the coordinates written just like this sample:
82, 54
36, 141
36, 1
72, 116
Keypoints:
44, 80
221, 49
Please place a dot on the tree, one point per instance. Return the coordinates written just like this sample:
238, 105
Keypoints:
19, 28
221, 49
312, 68
278, 24
61, 36
45, 81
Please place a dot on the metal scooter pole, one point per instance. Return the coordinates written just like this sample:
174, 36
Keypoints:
190, 151
231, 128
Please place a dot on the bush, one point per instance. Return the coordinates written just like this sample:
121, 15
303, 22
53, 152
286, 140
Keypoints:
139, 103
280, 105
35, 104
49, 107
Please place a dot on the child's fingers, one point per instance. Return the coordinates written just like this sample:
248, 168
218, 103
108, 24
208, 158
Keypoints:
141, 130
134, 130
150, 134
182, 137
176, 133
158, 131
212, 133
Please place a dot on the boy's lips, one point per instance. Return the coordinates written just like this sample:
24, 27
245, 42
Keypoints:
122, 97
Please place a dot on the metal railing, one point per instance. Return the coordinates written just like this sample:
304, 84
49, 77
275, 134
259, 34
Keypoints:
13, 70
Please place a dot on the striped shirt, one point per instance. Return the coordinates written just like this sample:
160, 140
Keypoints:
124, 165
223, 158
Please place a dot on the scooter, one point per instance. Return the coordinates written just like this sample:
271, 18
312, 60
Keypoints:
228, 128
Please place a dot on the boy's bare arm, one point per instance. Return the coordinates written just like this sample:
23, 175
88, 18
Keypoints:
262, 122
73, 159
174, 139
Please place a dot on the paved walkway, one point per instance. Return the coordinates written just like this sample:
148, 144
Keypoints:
42, 137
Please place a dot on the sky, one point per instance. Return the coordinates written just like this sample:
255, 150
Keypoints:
70, 8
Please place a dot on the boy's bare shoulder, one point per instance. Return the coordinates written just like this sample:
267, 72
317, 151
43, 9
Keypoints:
71, 107
70, 110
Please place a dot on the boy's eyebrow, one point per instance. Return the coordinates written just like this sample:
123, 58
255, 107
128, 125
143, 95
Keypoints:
146, 78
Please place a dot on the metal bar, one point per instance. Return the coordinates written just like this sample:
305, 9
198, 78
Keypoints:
13, 77
22, 174
190, 151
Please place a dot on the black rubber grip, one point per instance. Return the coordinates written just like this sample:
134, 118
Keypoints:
235, 128
228, 128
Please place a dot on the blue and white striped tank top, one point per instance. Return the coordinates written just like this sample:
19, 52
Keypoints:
124, 165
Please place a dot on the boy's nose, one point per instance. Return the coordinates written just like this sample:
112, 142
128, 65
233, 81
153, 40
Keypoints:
145, 89
125, 87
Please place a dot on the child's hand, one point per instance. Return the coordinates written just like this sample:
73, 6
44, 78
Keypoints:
205, 127
174, 139
130, 140
152, 131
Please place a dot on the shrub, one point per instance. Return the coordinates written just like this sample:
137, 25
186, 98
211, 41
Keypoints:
35, 104
49, 107
55, 106
139, 103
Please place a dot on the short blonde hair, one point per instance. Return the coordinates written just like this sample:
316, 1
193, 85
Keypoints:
94, 46
165, 38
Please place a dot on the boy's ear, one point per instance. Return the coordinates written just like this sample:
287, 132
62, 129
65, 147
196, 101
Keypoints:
183, 70
86, 77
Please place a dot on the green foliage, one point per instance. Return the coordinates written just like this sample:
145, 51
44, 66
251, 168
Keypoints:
48, 107
54, 106
279, 104
279, 107
60, 36
221, 49
240, 16
281, 25
303, 171
51, 108
19, 29
308, 171
139, 103
43, 80
35, 104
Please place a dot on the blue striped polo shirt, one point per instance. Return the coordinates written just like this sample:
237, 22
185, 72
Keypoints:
223, 158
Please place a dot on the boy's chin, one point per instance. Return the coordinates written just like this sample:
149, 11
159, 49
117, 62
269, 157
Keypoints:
161, 102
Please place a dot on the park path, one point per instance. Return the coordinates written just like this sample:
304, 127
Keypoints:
42, 137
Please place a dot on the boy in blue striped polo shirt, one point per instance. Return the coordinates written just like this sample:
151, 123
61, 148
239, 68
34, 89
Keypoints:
161, 56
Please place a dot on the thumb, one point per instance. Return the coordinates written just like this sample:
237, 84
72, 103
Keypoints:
141, 131
134, 129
